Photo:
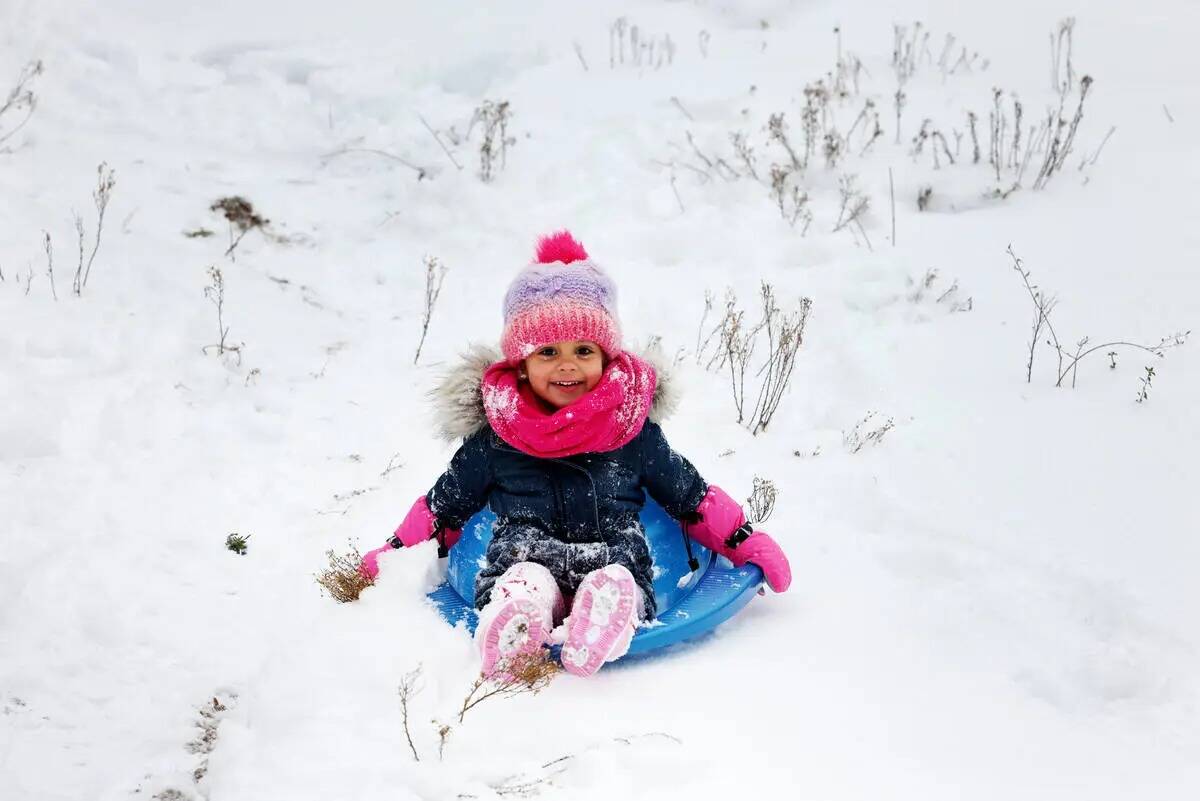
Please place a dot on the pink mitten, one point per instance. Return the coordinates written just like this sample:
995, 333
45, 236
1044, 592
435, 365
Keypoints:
370, 563
418, 525
721, 526
763, 551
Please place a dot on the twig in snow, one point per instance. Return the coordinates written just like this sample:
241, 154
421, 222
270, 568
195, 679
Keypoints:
892, 191
1089, 162
435, 273
1068, 362
50, 264
854, 203
441, 144
675, 102
105, 182
408, 688
21, 97
422, 172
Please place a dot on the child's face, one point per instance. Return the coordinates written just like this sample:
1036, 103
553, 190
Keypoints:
562, 372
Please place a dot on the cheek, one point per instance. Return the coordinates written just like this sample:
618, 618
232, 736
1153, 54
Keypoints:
593, 375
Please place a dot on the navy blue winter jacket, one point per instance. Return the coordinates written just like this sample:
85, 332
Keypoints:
574, 514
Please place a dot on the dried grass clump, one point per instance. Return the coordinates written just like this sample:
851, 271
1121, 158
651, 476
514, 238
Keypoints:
342, 579
241, 216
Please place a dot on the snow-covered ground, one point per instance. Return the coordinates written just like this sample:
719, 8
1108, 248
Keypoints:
996, 601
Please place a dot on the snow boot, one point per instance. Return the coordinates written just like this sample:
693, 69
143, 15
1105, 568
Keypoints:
603, 617
519, 616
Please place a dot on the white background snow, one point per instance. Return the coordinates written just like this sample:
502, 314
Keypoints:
997, 601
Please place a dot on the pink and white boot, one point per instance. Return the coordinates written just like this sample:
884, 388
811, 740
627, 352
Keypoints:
519, 616
603, 618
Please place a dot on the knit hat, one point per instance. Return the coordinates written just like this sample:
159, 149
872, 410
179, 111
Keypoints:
561, 296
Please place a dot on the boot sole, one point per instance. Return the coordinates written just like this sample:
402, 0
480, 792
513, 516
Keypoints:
603, 610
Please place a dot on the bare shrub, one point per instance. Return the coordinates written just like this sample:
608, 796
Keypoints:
867, 431
493, 117
785, 335
1064, 136
761, 503
777, 131
215, 292
854, 203
745, 152
343, 579
790, 198
736, 342
629, 45
949, 298
20, 98
1068, 361
435, 273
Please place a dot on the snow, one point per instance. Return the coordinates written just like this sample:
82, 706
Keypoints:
995, 600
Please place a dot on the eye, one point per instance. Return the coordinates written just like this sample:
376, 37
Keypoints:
548, 352
584, 350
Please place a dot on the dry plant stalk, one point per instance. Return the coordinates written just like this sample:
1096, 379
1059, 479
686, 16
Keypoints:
866, 431
1062, 73
785, 335
435, 273
521, 673
777, 131
408, 689
761, 502
496, 141
854, 204
1068, 361
50, 263
1064, 136
215, 292
105, 181
21, 97
343, 579
791, 201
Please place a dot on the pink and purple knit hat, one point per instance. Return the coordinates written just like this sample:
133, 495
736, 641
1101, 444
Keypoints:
561, 296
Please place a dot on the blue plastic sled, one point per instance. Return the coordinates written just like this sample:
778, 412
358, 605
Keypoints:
689, 604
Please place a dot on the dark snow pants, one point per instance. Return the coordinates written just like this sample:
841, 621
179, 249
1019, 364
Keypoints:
569, 558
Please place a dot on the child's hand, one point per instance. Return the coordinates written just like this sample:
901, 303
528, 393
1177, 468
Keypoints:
369, 566
721, 526
763, 551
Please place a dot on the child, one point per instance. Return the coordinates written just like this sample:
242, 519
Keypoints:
560, 443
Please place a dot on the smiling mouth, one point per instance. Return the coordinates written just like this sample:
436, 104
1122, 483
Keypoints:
566, 384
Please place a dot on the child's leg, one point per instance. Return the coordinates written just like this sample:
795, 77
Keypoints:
525, 602
603, 617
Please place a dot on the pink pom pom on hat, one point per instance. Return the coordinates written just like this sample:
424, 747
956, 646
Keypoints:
562, 296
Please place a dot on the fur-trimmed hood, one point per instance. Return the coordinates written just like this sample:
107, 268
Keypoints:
458, 398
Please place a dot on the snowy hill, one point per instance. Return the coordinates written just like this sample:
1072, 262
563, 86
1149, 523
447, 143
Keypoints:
994, 594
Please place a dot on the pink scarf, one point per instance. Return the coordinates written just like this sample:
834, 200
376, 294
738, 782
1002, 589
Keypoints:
604, 419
